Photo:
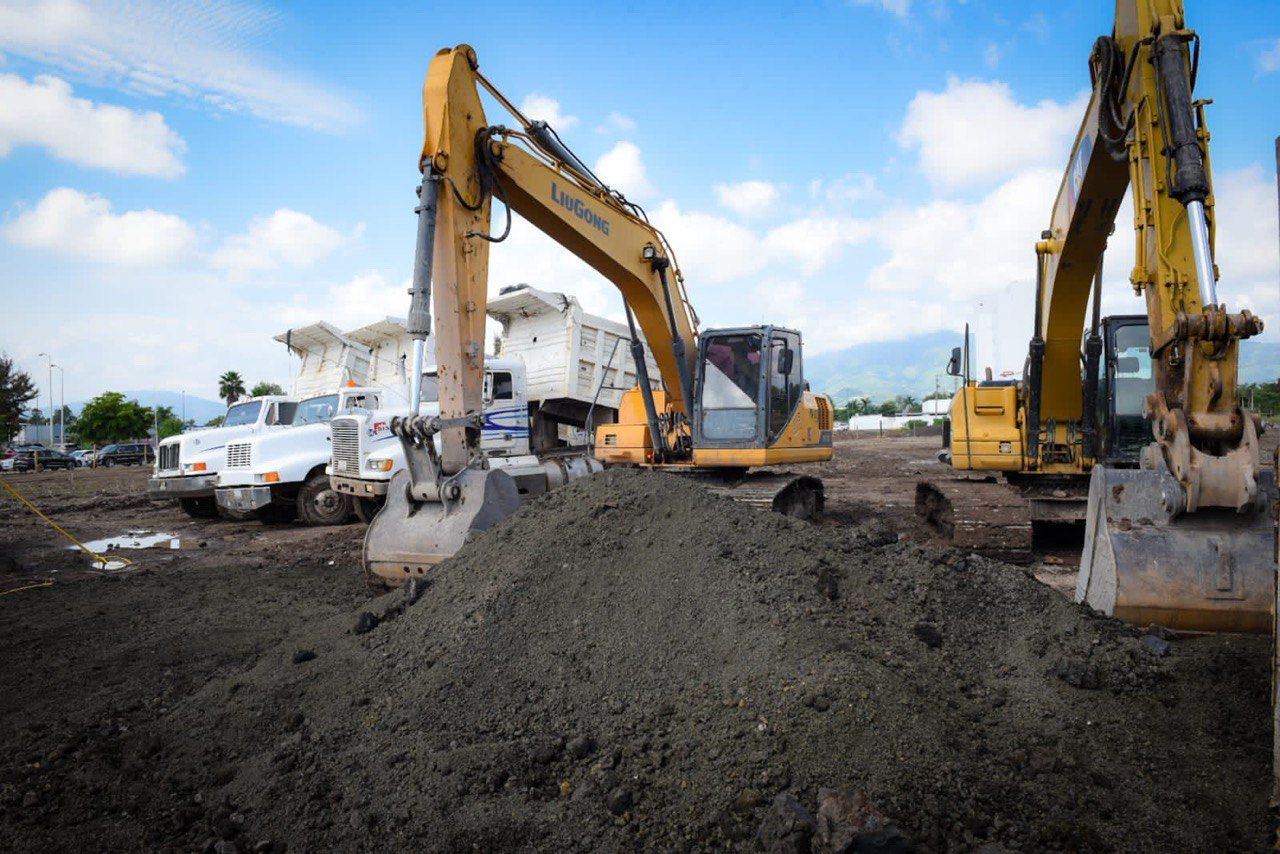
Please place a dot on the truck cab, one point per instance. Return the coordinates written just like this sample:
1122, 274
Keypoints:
366, 454
187, 465
281, 476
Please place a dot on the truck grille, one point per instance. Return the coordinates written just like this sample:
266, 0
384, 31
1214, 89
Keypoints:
239, 455
169, 457
346, 445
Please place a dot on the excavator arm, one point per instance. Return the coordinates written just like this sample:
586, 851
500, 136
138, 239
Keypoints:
466, 163
1142, 132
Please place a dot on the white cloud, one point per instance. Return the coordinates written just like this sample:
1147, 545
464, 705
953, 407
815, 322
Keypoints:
622, 168
287, 238
44, 113
988, 243
842, 191
812, 242
366, 297
709, 248
617, 123
896, 7
748, 198
541, 107
991, 55
976, 133
190, 49
1247, 254
529, 257
1269, 59
75, 223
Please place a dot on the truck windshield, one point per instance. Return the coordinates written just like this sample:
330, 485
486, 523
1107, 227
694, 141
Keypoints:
242, 413
316, 410
731, 387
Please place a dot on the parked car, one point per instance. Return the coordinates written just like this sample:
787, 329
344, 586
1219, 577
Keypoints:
46, 457
82, 456
126, 455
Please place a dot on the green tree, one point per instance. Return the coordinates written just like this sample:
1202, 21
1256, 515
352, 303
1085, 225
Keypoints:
230, 387
888, 408
36, 417
1263, 398
214, 422
16, 391
907, 403
167, 423
263, 387
939, 395
110, 418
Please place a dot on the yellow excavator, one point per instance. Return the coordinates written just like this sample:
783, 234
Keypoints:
1177, 527
730, 401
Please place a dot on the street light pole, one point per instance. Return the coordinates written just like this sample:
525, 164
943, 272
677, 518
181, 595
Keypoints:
50, 416
62, 405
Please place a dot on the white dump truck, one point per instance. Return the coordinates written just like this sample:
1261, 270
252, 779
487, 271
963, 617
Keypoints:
558, 372
280, 476
187, 465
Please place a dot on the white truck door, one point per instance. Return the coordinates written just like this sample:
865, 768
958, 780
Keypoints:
506, 417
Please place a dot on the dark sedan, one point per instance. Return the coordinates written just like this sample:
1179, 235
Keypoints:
47, 458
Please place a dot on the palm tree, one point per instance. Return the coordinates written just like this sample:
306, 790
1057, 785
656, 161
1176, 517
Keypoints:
230, 387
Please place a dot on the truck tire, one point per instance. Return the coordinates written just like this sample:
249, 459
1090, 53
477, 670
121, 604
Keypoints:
320, 504
199, 508
367, 508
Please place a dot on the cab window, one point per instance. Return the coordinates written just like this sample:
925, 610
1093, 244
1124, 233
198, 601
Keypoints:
786, 382
731, 387
500, 386
1131, 369
316, 410
244, 413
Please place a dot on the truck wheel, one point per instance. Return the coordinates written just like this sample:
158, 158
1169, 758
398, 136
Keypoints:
319, 504
199, 508
367, 508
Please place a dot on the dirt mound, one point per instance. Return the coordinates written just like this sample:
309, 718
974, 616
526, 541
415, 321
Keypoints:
632, 662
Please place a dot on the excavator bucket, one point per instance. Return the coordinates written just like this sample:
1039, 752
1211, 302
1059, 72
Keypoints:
1210, 570
408, 537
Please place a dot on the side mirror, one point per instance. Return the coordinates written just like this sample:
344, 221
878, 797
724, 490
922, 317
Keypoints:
954, 367
786, 361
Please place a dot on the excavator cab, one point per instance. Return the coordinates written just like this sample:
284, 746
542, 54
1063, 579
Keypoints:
1123, 385
750, 383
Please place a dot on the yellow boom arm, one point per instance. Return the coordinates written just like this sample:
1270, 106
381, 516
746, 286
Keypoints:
536, 176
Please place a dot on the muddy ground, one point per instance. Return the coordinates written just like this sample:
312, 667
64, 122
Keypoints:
527, 700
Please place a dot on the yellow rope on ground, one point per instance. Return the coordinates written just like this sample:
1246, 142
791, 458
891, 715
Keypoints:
26, 587
36, 510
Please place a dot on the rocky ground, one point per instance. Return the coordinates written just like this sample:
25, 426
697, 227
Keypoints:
627, 663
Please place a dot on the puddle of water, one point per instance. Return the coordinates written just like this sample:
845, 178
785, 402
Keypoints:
127, 540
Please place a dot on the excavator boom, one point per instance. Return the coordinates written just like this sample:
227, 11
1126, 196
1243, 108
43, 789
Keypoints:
758, 408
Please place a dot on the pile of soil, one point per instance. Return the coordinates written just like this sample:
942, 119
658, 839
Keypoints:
633, 662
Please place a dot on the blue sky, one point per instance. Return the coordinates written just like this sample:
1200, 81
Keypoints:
179, 181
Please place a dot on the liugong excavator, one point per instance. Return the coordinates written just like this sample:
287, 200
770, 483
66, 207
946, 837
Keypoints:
1176, 529
730, 399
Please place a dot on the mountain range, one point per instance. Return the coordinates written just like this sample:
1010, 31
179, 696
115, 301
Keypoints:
917, 366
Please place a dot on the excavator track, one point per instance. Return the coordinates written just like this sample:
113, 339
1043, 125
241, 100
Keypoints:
791, 494
987, 517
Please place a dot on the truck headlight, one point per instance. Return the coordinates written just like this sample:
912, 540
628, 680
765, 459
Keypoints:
195, 467
378, 465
